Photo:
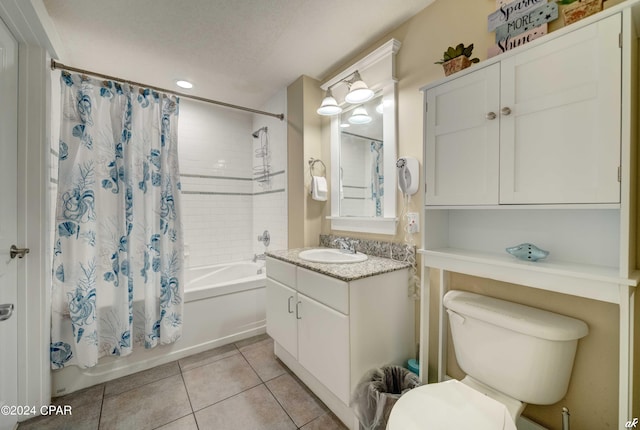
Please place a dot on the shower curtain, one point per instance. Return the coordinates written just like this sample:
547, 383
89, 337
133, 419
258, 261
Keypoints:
118, 254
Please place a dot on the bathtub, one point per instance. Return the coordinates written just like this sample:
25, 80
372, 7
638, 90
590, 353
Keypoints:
223, 304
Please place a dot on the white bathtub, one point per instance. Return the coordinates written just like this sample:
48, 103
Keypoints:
223, 304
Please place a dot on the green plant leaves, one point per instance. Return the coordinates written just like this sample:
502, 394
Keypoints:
459, 50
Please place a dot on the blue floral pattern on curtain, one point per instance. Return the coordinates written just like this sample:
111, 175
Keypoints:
118, 255
377, 175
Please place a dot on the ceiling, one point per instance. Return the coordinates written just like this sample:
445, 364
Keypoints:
237, 51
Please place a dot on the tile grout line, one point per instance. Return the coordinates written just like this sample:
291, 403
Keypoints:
142, 385
233, 395
271, 392
104, 388
281, 406
184, 384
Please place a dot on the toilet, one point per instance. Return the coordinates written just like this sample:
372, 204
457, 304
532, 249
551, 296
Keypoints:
512, 355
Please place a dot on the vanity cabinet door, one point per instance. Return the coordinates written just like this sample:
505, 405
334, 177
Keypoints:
560, 120
462, 140
281, 315
323, 345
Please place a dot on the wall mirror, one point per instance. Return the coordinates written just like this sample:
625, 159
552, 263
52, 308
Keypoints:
362, 160
363, 154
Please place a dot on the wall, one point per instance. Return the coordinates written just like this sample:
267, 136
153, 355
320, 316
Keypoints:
303, 142
592, 397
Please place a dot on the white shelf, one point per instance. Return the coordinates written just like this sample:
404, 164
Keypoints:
594, 282
502, 207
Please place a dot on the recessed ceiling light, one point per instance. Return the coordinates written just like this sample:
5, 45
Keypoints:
184, 84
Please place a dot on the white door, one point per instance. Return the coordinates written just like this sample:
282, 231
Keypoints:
8, 223
560, 137
462, 140
323, 345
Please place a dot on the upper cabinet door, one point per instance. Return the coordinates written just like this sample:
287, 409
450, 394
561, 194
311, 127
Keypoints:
462, 140
560, 119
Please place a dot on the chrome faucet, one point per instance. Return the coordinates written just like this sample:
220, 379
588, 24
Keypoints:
346, 245
257, 257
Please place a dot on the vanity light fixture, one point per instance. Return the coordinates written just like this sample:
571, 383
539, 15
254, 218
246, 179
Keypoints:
359, 92
360, 116
329, 105
184, 84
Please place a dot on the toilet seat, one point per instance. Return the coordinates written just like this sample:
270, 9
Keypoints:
448, 405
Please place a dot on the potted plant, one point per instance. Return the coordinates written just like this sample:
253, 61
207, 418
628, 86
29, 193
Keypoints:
456, 59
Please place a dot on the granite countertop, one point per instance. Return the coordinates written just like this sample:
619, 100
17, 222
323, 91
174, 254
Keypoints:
345, 272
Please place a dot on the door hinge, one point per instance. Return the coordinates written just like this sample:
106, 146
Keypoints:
426, 106
620, 40
619, 173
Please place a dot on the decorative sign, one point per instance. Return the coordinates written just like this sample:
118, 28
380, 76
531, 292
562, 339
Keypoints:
512, 11
527, 22
511, 42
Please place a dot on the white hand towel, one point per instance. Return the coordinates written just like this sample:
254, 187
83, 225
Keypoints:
319, 188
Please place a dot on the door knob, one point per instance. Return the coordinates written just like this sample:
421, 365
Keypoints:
6, 311
18, 252
491, 115
506, 111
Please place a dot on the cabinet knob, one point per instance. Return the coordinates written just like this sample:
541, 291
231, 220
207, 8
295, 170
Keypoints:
506, 111
490, 116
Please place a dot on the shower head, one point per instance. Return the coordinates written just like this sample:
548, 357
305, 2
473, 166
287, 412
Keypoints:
256, 133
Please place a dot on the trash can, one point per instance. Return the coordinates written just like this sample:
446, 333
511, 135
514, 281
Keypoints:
377, 392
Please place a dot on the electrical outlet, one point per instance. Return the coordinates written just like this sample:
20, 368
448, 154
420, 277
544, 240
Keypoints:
413, 222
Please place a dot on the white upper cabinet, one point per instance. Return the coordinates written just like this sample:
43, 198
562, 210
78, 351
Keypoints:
462, 140
560, 143
539, 127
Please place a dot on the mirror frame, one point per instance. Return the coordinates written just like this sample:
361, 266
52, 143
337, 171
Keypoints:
377, 68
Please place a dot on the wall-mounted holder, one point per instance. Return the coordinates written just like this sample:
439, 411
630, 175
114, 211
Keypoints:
312, 164
318, 188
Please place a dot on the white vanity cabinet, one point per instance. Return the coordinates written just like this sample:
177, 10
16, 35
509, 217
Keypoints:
330, 332
539, 127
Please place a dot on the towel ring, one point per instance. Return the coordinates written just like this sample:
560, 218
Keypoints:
312, 163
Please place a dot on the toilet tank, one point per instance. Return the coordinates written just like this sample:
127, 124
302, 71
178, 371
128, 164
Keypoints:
524, 352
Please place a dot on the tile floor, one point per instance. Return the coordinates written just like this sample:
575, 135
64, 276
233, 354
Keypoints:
240, 386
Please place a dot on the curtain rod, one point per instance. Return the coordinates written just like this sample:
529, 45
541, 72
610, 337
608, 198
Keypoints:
361, 136
57, 65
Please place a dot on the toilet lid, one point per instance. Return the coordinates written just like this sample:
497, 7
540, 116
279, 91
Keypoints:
448, 405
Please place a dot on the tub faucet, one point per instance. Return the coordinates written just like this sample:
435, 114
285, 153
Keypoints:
257, 257
346, 245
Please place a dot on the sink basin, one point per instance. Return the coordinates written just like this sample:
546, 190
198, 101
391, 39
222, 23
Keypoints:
329, 255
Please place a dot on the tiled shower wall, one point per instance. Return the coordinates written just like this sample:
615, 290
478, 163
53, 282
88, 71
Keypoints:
225, 208
214, 149
270, 199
